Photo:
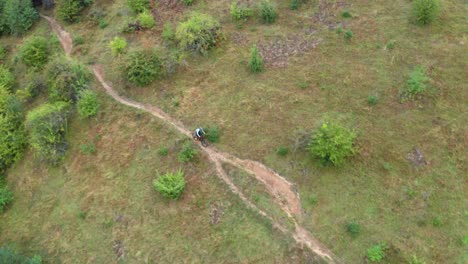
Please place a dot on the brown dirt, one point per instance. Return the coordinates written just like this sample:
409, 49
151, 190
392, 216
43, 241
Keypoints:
281, 189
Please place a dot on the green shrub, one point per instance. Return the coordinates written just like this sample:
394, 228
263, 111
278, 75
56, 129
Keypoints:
416, 84
170, 185
282, 151
18, 16
376, 253
416, 260
118, 46
6, 77
9, 256
187, 153
2, 51
346, 14
295, 4
142, 68
198, 34
372, 99
163, 151
32, 89
212, 134
12, 142
146, 19
47, 127
240, 12
88, 148
348, 34
268, 12
34, 52
437, 221
10, 107
66, 79
70, 10
353, 228
256, 60
87, 104
138, 6
188, 2
391, 45
332, 143
425, 11
78, 40
168, 33
103, 23
6, 197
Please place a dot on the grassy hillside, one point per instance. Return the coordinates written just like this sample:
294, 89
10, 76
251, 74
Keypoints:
81, 209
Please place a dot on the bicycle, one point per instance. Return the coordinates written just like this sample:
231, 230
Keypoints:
201, 139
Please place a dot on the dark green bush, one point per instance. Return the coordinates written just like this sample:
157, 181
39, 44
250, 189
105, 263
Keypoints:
348, 34
6, 77
295, 4
188, 2
87, 104
198, 34
78, 40
240, 12
34, 52
346, 14
416, 84
282, 151
69, 10
103, 23
47, 127
353, 228
142, 68
212, 134
138, 6
425, 11
66, 79
332, 143
187, 153
163, 151
9, 256
268, 12
146, 19
372, 99
6, 197
376, 253
256, 60
17, 16
170, 185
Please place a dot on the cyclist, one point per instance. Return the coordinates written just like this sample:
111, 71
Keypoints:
199, 133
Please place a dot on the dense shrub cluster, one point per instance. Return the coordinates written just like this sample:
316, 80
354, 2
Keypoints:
10, 256
34, 52
47, 127
268, 12
12, 136
198, 34
425, 11
240, 12
88, 104
143, 67
256, 60
170, 185
66, 79
332, 143
70, 10
16, 16
138, 6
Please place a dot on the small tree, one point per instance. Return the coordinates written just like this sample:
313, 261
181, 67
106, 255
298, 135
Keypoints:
35, 52
47, 127
88, 104
170, 185
18, 16
118, 46
70, 10
198, 34
425, 11
143, 67
268, 12
256, 60
66, 79
332, 143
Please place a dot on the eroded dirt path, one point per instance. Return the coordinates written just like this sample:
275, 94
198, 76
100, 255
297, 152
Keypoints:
279, 188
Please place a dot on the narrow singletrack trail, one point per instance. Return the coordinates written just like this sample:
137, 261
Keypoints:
280, 189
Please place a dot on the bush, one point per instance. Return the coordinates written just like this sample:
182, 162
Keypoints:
146, 19
415, 85
212, 134
188, 2
187, 153
416, 260
138, 6
282, 151
295, 4
168, 33
437, 221
256, 60
240, 12
425, 11
17, 16
78, 40
47, 127
268, 12
6, 77
12, 141
163, 151
142, 68
6, 197
118, 46
353, 228
2, 51
10, 256
346, 14
332, 143
372, 99
348, 34
69, 10
66, 79
198, 34
34, 52
34, 87
376, 253
88, 148
103, 23
87, 104
170, 185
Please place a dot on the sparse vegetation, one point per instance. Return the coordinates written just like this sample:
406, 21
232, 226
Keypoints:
118, 45
268, 12
143, 67
332, 143
35, 52
256, 60
198, 34
87, 104
88, 148
416, 84
170, 185
425, 11
187, 153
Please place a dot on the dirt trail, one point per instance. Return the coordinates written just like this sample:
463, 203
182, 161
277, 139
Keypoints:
281, 190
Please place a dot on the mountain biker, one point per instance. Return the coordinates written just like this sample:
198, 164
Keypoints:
199, 132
